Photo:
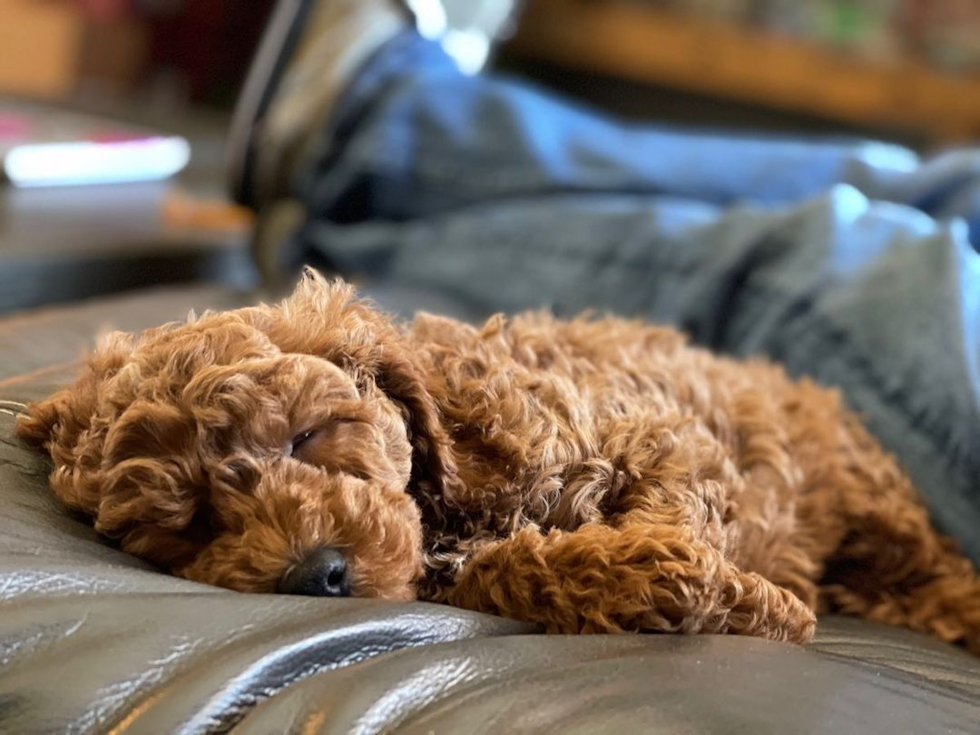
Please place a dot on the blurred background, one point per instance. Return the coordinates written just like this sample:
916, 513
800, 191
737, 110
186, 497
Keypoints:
160, 77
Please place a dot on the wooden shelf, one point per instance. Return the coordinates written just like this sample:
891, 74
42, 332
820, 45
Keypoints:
638, 42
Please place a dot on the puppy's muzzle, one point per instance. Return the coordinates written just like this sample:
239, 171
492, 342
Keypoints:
323, 573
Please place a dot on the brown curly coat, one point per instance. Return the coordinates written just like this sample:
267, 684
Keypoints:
594, 475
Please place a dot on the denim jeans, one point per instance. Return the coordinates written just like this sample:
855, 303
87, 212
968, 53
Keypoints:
850, 261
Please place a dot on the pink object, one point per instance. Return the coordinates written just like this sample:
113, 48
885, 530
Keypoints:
13, 126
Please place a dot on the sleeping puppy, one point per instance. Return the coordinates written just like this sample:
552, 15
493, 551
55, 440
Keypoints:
593, 475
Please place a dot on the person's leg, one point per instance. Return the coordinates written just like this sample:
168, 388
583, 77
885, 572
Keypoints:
414, 136
373, 122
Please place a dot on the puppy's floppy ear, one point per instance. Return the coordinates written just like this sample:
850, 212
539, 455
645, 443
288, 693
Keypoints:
398, 376
326, 318
62, 423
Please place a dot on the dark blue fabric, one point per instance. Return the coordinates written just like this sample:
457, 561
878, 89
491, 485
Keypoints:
850, 261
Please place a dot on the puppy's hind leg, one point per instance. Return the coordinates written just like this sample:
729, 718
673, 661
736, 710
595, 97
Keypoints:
894, 567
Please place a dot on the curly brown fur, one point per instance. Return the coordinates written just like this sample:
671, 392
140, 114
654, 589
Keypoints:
592, 475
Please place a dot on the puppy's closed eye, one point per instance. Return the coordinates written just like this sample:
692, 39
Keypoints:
348, 446
324, 446
298, 442
304, 446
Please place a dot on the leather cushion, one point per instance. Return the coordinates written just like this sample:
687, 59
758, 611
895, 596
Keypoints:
92, 639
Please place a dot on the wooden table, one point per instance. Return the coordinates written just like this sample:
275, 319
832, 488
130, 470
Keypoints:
69, 243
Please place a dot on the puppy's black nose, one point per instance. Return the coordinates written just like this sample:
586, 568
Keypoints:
323, 573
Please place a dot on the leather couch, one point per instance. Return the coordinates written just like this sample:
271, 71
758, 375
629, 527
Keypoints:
92, 640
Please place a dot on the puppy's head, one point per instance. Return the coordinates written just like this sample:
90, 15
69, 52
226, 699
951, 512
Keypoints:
262, 449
